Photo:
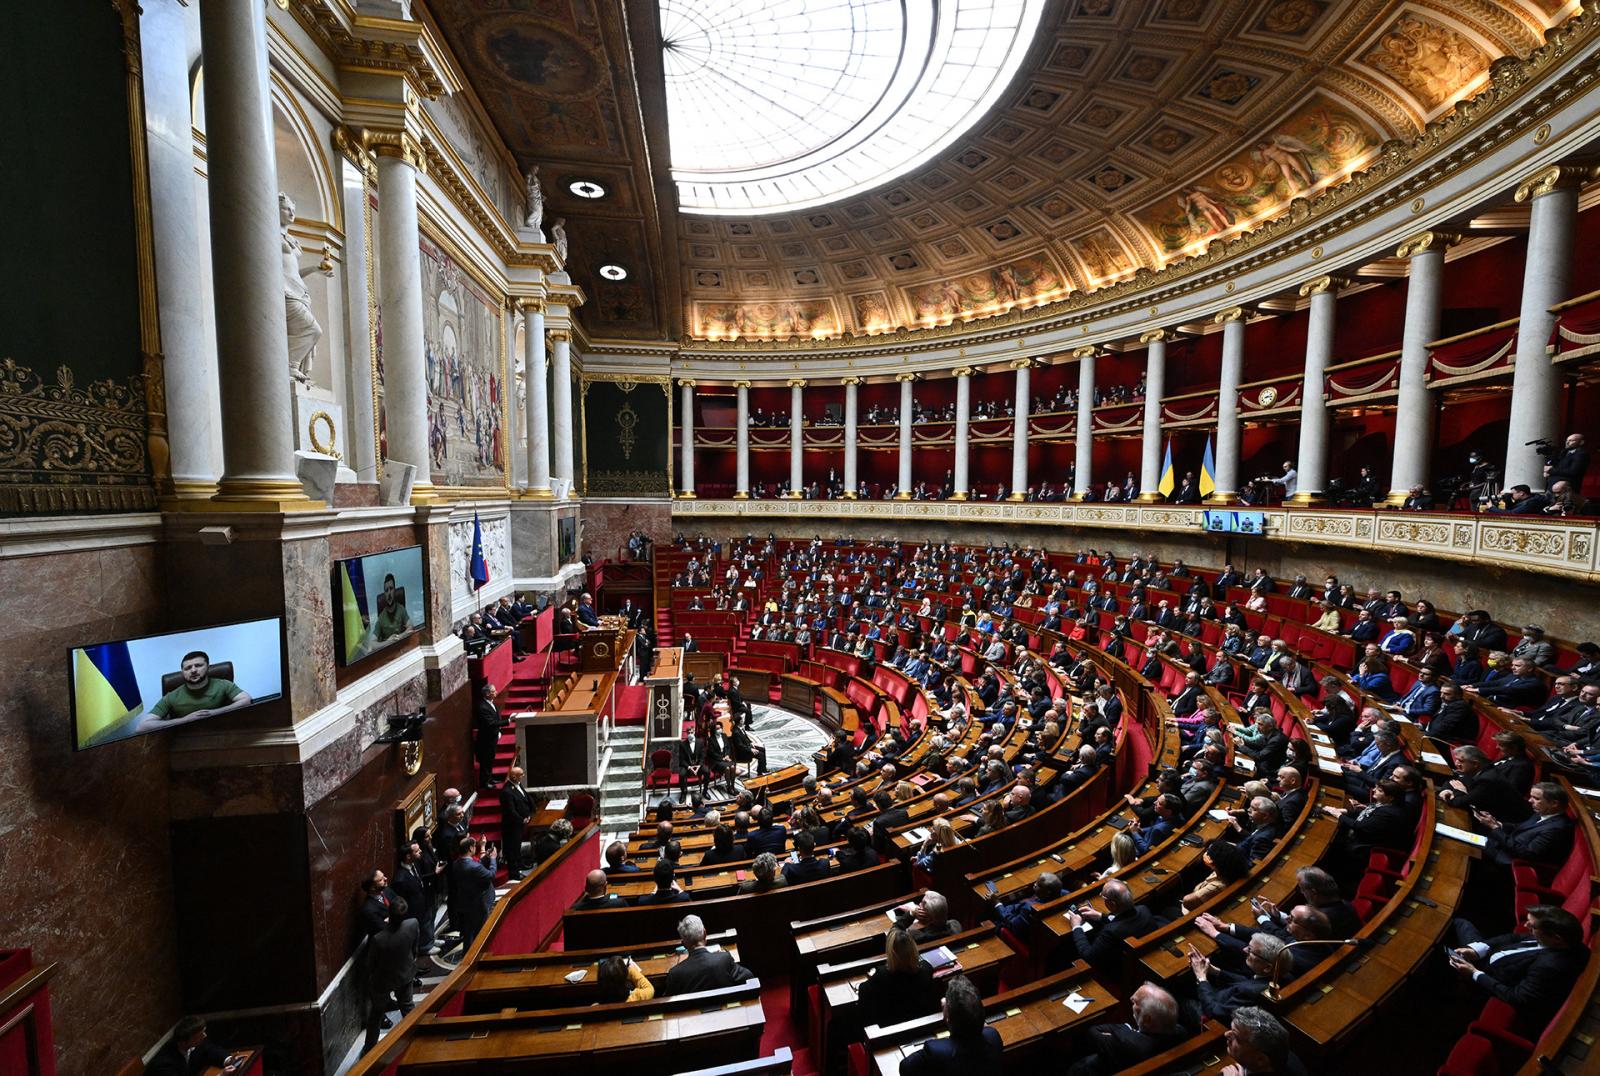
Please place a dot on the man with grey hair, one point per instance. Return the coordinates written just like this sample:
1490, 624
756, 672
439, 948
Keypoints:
1099, 937
1258, 1044
701, 968
1377, 762
1222, 993
1154, 1028
928, 919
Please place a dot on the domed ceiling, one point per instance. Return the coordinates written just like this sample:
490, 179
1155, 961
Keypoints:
1131, 135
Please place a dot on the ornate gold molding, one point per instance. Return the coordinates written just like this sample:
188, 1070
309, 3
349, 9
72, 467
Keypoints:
401, 145
963, 371
797, 382
1233, 313
1157, 335
1025, 364
1085, 352
741, 385
559, 336
1318, 285
527, 305
905, 377
686, 382
1556, 177
1424, 242
386, 52
850, 380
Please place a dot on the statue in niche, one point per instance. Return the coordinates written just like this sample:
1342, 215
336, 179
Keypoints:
303, 330
558, 231
535, 218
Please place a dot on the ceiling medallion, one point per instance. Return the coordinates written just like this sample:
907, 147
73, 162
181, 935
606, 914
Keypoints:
613, 272
587, 188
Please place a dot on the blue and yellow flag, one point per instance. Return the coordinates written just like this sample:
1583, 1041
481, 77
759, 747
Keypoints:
105, 690
477, 566
353, 607
1168, 481
1208, 472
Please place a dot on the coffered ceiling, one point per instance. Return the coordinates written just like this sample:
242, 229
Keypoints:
1135, 133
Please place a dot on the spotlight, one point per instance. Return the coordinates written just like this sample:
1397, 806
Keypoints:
612, 271
586, 188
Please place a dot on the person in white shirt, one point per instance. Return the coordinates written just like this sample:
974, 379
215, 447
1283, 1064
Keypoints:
1289, 480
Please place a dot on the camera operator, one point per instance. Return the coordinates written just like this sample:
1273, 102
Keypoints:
1483, 478
1568, 465
1289, 480
1565, 501
1520, 500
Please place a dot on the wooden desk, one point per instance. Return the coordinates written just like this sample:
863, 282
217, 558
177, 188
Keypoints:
514, 983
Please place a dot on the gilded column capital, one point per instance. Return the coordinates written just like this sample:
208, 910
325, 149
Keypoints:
1024, 364
1318, 285
1157, 336
1085, 352
741, 384
559, 336
402, 145
850, 381
1233, 313
797, 382
529, 305
1423, 242
1556, 177
905, 377
351, 146
686, 382
962, 371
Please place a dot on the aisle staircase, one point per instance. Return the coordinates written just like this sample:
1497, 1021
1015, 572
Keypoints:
622, 787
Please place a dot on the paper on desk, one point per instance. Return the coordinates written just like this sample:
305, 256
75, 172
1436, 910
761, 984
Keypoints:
1325, 752
1433, 758
556, 805
1592, 793
1329, 767
919, 834
1476, 839
1220, 816
1076, 1002
577, 976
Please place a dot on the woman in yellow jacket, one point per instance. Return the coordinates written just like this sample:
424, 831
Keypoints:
621, 980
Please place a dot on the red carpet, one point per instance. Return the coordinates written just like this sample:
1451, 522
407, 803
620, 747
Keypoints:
780, 1029
631, 703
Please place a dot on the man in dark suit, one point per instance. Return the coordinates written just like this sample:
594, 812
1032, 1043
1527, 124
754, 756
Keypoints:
410, 885
1187, 492
700, 968
1544, 838
1155, 1027
1522, 688
890, 817
472, 889
1478, 787
1224, 992
1100, 937
391, 967
487, 724
842, 755
190, 1053
1265, 826
377, 896
1484, 631
807, 867
596, 893
1187, 701
928, 919
516, 807
667, 891
1455, 721
1291, 792
1533, 972
972, 1048
768, 836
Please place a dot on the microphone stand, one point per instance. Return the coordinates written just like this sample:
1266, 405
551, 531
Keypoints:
1272, 992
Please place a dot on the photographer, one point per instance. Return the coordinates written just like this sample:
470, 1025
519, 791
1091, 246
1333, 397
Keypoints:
1569, 465
1520, 500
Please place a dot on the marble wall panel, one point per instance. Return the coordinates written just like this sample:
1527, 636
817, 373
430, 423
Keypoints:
308, 625
608, 523
533, 539
436, 548
72, 823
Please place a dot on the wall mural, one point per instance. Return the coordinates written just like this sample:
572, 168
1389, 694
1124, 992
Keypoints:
1430, 61
801, 318
461, 338
1035, 276
1319, 144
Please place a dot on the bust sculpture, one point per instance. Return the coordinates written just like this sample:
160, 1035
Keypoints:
301, 323
535, 218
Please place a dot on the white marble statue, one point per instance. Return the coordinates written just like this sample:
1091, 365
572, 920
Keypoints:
559, 231
304, 332
535, 218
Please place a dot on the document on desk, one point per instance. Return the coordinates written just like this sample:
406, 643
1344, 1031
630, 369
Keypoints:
1433, 758
556, 805
1076, 1001
1329, 767
1476, 839
1326, 751
1220, 816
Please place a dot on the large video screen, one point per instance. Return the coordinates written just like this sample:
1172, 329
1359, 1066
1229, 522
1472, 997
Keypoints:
380, 600
134, 686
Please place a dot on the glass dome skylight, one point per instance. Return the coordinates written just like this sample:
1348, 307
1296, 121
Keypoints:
778, 105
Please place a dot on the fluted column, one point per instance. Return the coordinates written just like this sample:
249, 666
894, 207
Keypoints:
359, 171
850, 384
561, 459
247, 263
1546, 275
1083, 459
1019, 431
741, 479
1312, 464
405, 400
903, 481
686, 469
536, 407
1155, 385
1227, 477
1413, 419
963, 406
797, 387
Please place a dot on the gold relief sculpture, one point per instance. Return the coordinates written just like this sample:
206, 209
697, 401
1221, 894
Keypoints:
1430, 61
55, 435
326, 447
627, 420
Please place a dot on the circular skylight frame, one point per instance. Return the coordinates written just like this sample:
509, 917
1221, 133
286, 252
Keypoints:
589, 189
613, 272
828, 125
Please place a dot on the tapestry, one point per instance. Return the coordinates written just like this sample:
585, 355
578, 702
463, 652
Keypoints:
626, 437
461, 343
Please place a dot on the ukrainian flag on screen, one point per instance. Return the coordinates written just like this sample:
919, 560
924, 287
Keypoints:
1208, 472
352, 602
104, 688
1168, 481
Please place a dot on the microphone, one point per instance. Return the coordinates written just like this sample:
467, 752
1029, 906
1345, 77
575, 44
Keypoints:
1272, 992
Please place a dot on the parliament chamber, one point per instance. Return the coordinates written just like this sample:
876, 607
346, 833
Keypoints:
800, 536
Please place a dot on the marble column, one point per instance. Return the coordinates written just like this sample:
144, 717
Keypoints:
1083, 458
850, 385
1019, 431
686, 426
1227, 476
405, 386
1155, 386
741, 491
536, 409
963, 406
1546, 276
361, 419
797, 420
181, 254
561, 457
247, 262
1312, 464
1413, 419
903, 480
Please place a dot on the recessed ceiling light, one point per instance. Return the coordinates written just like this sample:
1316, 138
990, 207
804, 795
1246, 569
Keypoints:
613, 272
586, 188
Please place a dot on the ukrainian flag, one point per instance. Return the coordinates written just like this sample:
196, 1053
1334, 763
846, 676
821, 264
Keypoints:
352, 598
105, 691
1208, 472
1168, 481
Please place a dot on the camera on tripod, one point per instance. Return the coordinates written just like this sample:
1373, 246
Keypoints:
1542, 445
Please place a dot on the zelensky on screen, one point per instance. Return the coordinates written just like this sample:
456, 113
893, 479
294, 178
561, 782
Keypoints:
380, 600
134, 686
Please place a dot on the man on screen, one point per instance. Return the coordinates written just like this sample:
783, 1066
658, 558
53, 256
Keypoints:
392, 618
200, 695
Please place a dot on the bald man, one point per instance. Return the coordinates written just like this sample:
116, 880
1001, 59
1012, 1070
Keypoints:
597, 894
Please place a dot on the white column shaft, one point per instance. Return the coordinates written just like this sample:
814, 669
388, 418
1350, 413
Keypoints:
405, 400
247, 263
686, 403
903, 479
1019, 434
1083, 463
536, 409
561, 404
850, 438
362, 432
1155, 385
963, 406
1536, 383
1228, 408
1413, 420
1312, 466
796, 439
742, 465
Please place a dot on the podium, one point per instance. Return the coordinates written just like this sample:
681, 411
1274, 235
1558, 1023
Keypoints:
665, 683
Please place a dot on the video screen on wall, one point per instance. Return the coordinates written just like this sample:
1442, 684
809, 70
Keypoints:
380, 600
133, 686
1228, 522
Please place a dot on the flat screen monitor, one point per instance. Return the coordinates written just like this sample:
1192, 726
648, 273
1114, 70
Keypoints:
1218, 522
133, 686
1249, 522
380, 600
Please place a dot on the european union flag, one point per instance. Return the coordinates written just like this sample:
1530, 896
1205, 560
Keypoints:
478, 568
